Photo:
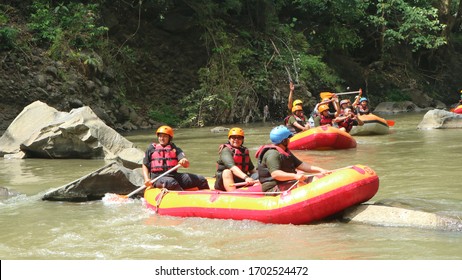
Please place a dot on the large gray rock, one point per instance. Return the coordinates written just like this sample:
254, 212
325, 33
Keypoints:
41, 131
399, 217
111, 178
396, 107
440, 119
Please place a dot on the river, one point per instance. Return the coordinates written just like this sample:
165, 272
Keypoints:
417, 169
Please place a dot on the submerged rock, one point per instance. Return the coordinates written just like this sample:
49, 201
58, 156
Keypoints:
111, 178
440, 119
399, 217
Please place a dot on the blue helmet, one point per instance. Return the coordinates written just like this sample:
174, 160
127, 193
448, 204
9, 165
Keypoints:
363, 99
279, 133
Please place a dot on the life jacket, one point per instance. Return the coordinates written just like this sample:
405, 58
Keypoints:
301, 121
325, 120
362, 111
241, 158
264, 175
347, 124
163, 158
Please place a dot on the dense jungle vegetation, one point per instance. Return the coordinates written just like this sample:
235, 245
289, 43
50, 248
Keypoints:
223, 61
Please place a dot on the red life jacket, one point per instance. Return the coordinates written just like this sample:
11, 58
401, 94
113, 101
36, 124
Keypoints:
362, 111
347, 124
241, 158
163, 158
264, 174
325, 120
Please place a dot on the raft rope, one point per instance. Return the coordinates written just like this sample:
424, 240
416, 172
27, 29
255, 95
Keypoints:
162, 193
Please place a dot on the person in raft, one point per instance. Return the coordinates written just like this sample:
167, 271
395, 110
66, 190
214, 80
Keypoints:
297, 121
325, 117
290, 100
363, 107
162, 156
345, 103
234, 164
347, 120
277, 165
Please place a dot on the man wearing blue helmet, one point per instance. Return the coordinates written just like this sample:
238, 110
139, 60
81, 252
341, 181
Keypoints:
363, 107
277, 165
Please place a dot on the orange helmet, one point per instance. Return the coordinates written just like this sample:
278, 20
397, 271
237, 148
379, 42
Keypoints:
236, 131
166, 130
297, 108
323, 108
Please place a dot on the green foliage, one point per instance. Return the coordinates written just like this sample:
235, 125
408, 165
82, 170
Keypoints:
73, 23
411, 23
8, 38
317, 72
165, 114
336, 25
396, 95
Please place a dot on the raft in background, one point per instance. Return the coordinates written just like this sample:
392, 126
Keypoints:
324, 137
458, 110
373, 125
326, 196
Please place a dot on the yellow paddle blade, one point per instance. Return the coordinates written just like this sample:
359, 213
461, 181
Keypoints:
326, 94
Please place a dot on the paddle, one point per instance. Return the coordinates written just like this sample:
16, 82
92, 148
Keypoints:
244, 184
390, 122
326, 94
118, 197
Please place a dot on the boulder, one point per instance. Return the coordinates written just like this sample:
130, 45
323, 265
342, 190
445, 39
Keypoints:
440, 119
42, 131
219, 129
399, 217
111, 178
396, 107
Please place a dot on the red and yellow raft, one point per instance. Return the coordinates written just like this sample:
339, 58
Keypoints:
458, 110
325, 196
373, 125
323, 137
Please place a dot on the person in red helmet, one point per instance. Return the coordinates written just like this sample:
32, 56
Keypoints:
234, 164
164, 155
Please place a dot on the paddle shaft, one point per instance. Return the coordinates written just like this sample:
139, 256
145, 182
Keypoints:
244, 184
154, 180
348, 92
329, 94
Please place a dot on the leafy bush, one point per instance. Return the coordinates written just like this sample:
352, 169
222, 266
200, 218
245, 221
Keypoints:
73, 23
8, 38
396, 95
165, 114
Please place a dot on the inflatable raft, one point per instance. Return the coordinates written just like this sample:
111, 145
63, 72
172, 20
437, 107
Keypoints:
373, 125
322, 138
458, 110
325, 196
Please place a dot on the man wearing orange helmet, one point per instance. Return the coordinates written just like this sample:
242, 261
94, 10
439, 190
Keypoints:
234, 164
297, 121
162, 156
324, 116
